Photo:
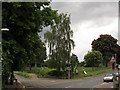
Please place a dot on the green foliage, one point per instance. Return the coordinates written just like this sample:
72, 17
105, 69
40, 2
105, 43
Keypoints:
59, 42
92, 73
26, 75
40, 72
22, 44
93, 59
101, 65
107, 45
87, 68
74, 61
57, 73
51, 63
81, 63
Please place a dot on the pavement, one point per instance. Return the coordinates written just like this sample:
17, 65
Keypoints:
15, 86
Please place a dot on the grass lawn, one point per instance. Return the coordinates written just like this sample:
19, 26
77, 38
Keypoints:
24, 74
87, 68
91, 73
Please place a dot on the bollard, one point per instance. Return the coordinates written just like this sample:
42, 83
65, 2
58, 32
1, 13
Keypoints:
114, 80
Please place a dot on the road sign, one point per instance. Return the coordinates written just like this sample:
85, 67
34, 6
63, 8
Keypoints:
112, 59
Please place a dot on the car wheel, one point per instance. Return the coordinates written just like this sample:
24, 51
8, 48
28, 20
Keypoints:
112, 80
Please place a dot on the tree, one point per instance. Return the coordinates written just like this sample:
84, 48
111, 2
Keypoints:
21, 43
59, 41
107, 45
93, 59
74, 61
82, 63
39, 51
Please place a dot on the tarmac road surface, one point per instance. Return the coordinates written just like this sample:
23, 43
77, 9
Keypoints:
87, 82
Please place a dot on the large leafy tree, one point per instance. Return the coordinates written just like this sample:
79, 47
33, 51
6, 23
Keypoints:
93, 59
60, 42
107, 45
21, 44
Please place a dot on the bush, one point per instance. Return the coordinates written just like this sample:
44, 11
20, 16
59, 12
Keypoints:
23, 74
56, 73
101, 65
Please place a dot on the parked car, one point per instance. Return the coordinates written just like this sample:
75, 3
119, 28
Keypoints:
108, 77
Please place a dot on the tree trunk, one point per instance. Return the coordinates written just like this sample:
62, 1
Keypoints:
106, 64
35, 64
58, 67
30, 67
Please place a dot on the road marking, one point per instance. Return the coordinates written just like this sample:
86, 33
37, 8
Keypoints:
68, 87
21, 84
91, 88
53, 81
100, 85
103, 83
19, 81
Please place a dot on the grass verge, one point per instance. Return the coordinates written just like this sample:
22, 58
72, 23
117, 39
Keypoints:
91, 73
26, 75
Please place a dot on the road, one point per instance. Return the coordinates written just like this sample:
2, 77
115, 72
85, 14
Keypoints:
87, 82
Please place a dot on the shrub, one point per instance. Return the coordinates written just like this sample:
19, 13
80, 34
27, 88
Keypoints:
26, 75
56, 73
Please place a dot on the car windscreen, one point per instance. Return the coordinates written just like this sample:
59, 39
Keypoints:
108, 75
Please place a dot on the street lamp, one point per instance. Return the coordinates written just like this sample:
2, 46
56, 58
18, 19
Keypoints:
4, 29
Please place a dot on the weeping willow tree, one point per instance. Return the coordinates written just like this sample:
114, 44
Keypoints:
59, 42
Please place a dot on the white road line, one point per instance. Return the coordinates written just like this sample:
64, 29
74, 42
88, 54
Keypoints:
68, 86
97, 86
21, 84
53, 81
19, 81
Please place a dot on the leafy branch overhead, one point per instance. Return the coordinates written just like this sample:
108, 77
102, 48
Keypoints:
21, 44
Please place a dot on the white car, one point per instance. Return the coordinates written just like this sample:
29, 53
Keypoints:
108, 77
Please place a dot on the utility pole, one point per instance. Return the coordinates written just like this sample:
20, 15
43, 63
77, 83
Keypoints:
119, 22
119, 42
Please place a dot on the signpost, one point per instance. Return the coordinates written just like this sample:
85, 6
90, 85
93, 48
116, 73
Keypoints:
113, 60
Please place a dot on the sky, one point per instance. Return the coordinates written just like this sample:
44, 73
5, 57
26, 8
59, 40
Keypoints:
88, 21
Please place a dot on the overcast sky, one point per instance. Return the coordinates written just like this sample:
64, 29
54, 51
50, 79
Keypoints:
88, 21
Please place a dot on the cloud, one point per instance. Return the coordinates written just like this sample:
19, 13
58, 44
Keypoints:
87, 32
82, 11
88, 21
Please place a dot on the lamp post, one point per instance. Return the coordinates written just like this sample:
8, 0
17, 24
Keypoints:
1, 59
